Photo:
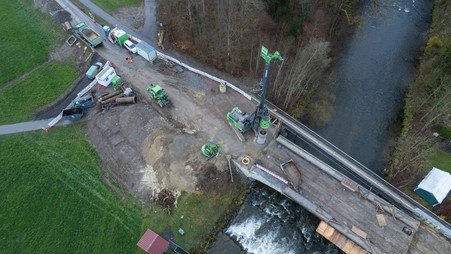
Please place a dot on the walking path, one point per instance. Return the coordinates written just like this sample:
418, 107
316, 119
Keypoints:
27, 126
150, 21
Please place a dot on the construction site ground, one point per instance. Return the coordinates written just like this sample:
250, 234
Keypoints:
148, 148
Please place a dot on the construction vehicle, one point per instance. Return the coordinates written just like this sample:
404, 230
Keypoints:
260, 118
210, 150
93, 70
84, 102
87, 34
157, 93
121, 38
117, 82
240, 120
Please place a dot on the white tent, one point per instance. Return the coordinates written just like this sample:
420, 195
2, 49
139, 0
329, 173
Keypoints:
435, 186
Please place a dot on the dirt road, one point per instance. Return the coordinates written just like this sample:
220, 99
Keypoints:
150, 22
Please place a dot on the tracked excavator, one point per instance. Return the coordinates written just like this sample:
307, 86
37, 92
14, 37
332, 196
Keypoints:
260, 118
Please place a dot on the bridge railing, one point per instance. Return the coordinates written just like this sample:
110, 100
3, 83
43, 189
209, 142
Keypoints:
433, 219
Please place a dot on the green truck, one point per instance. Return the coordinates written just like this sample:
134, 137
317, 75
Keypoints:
157, 93
88, 34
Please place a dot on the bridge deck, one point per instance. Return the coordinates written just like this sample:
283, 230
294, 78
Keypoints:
326, 197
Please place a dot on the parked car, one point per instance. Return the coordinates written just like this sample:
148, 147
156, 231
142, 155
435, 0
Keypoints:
84, 102
93, 70
130, 46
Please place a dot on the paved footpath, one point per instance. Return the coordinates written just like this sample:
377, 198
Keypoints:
28, 126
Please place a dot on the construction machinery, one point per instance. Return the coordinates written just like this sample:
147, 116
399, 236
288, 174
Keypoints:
94, 70
117, 82
210, 150
84, 102
260, 118
157, 93
88, 34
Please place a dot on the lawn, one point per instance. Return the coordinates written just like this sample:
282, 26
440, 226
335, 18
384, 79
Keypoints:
443, 130
442, 160
112, 5
196, 214
54, 201
27, 38
20, 101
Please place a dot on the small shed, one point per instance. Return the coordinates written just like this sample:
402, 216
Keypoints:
435, 186
153, 243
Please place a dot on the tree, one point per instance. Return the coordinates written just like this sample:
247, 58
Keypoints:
305, 70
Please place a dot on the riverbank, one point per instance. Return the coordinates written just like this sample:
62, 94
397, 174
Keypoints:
427, 110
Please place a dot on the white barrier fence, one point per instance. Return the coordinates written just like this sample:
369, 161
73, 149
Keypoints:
169, 58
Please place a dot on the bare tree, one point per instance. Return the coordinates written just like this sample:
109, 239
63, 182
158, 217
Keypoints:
306, 69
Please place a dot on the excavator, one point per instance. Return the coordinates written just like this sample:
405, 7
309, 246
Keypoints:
260, 118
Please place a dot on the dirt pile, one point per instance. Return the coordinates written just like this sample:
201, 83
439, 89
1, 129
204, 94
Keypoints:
145, 153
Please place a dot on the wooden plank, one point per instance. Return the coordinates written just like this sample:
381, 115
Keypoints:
328, 233
321, 228
381, 220
355, 250
341, 241
335, 237
237, 132
348, 183
359, 232
348, 246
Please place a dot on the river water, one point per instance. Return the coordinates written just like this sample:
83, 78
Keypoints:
371, 78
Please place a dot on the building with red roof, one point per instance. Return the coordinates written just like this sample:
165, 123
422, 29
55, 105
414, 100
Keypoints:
153, 243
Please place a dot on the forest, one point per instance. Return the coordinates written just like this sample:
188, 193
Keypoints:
228, 34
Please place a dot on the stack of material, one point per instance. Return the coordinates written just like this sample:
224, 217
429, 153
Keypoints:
341, 241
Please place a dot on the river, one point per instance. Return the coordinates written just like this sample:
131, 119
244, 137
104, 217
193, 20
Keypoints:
371, 78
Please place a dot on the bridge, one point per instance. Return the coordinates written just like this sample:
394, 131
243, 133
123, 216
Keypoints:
359, 214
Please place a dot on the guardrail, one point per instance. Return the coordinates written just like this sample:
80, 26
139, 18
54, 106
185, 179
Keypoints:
409, 205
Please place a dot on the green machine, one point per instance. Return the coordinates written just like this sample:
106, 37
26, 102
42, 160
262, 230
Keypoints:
210, 150
260, 118
117, 83
157, 93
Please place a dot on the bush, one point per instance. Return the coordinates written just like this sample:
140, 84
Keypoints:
434, 45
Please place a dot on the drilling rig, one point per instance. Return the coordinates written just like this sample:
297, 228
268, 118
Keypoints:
260, 118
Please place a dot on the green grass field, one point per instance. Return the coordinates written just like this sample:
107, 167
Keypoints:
442, 161
54, 201
112, 5
27, 38
20, 101
200, 213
